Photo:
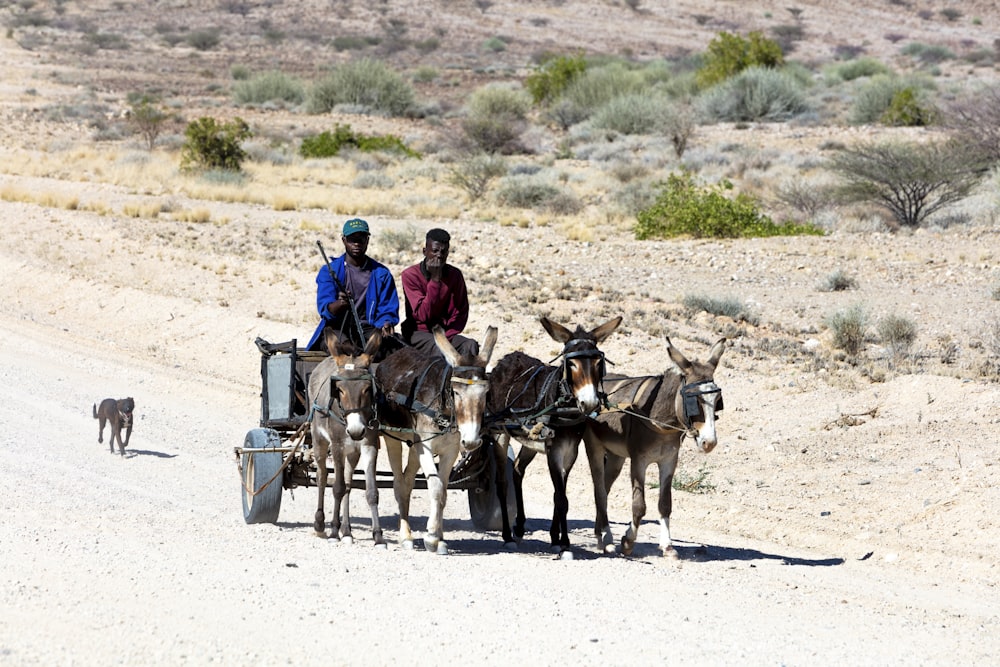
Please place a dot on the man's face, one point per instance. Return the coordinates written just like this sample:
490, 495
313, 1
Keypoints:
356, 244
435, 250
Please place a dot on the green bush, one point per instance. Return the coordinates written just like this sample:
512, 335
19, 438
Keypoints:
928, 54
212, 145
633, 113
730, 307
906, 109
878, 94
685, 209
366, 83
730, 54
552, 76
475, 173
496, 118
527, 191
269, 87
856, 69
756, 93
351, 42
597, 86
838, 281
849, 328
204, 40
328, 144
147, 117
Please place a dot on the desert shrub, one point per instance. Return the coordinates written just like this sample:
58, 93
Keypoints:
730, 54
210, 144
531, 192
327, 144
907, 110
635, 196
597, 86
204, 40
756, 93
877, 95
475, 173
838, 281
975, 120
856, 69
995, 293
551, 77
787, 35
352, 42
911, 180
269, 87
365, 83
109, 41
239, 73
496, 118
495, 44
147, 118
950, 14
633, 113
849, 328
730, 307
928, 54
400, 240
685, 209
373, 180
897, 333
429, 45
806, 197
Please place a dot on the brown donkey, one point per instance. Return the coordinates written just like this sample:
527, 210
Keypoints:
437, 406
344, 426
647, 419
544, 407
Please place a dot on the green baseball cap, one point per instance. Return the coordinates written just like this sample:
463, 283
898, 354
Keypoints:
355, 225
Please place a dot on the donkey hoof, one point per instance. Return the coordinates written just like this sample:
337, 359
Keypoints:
510, 546
407, 544
334, 539
348, 539
320, 533
566, 555
442, 549
382, 545
670, 552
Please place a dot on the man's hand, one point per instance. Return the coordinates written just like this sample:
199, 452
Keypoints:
387, 330
435, 267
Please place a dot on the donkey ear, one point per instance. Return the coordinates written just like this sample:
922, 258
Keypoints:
331, 341
557, 331
605, 330
374, 341
451, 355
487, 350
679, 359
716, 353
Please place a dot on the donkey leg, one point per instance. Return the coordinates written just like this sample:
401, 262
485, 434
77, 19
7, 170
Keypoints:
339, 491
101, 421
638, 474
561, 456
596, 456
499, 453
665, 504
394, 449
347, 476
319, 451
521, 461
437, 489
369, 456
117, 437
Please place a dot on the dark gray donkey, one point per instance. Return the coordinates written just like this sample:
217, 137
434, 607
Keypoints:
344, 427
646, 421
544, 407
437, 405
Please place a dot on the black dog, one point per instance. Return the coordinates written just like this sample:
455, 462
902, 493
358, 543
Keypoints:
118, 414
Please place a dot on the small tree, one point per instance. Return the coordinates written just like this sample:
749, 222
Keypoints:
730, 54
475, 173
975, 119
496, 116
213, 145
911, 180
147, 119
550, 79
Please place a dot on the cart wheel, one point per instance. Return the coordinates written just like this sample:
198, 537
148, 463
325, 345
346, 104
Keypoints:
257, 470
484, 506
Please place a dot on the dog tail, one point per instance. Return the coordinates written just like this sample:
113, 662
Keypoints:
95, 410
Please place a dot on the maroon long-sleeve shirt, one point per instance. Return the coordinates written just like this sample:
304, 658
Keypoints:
430, 302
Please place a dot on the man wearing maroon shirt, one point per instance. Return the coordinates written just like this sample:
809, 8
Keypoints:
435, 295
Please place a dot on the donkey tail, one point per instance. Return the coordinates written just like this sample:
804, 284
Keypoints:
95, 410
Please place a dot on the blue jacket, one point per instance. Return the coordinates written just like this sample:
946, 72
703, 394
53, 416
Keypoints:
382, 302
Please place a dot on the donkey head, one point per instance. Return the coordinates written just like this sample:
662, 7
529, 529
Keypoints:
469, 386
699, 399
583, 363
352, 386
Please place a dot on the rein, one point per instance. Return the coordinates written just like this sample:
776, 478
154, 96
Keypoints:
444, 419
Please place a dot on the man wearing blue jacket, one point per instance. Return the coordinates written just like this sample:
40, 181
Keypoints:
369, 283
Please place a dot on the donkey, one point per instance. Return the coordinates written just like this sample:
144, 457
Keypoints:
344, 425
646, 421
435, 405
536, 402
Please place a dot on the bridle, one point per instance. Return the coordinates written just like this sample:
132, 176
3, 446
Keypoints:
334, 409
690, 394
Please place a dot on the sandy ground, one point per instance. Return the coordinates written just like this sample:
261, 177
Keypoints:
851, 519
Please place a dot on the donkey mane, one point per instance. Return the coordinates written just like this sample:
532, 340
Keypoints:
524, 376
